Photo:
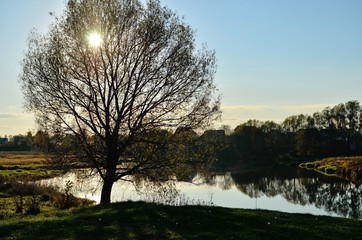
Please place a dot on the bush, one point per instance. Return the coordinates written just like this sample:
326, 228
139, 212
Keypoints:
33, 209
45, 197
24, 189
19, 203
4, 212
66, 199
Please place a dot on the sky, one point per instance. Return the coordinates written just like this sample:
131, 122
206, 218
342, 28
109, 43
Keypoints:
276, 58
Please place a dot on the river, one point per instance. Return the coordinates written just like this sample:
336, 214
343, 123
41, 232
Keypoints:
297, 191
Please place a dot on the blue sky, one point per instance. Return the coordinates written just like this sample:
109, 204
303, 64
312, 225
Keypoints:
276, 58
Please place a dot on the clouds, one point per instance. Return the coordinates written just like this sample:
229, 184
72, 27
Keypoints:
234, 115
12, 123
12, 115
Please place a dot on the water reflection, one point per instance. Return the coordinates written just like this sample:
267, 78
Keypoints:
297, 191
333, 195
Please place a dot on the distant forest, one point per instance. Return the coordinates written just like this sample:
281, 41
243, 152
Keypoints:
335, 131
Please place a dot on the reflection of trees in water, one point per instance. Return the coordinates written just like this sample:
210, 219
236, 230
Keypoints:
333, 195
224, 182
341, 198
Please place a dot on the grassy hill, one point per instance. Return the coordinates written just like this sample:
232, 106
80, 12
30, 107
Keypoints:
150, 221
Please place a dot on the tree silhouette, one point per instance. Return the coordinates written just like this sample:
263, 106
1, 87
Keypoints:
108, 103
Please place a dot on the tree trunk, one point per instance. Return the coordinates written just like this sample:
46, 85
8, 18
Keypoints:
110, 176
106, 190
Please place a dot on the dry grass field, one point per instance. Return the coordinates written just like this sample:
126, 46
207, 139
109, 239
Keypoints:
21, 158
24, 166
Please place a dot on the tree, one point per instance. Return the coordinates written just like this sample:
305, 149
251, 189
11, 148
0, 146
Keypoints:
353, 109
269, 126
112, 75
294, 123
339, 115
308, 142
249, 142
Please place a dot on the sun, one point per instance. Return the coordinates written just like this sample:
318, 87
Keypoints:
94, 39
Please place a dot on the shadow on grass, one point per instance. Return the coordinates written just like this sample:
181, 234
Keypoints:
150, 221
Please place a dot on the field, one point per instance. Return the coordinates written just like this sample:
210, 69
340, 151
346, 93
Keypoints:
21, 158
24, 166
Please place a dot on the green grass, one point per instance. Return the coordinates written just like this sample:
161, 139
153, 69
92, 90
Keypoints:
349, 168
150, 221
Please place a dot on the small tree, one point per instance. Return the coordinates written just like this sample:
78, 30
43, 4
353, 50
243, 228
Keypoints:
109, 81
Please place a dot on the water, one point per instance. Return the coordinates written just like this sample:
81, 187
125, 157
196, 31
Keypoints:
298, 191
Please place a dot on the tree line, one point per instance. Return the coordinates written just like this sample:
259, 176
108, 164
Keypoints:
335, 131
17, 143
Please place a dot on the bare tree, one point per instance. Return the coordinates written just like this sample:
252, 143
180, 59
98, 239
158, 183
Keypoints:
114, 77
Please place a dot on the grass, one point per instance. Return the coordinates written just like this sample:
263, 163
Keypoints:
24, 166
17, 173
15, 167
25, 158
349, 168
150, 221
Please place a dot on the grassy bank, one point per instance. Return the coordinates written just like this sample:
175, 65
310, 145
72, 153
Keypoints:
20, 195
345, 167
151, 221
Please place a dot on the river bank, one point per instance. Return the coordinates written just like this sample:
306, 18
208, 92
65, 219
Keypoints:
349, 168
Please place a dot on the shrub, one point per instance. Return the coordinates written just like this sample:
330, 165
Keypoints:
4, 213
45, 197
19, 203
33, 209
64, 199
